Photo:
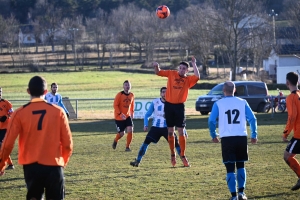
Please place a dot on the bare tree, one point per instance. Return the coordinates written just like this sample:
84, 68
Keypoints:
101, 32
230, 23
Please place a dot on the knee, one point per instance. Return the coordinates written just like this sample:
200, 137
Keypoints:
129, 129
122, 133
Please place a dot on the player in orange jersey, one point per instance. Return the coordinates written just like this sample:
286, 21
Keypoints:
124, 111
6, 110
45, 143
293, 108
177, 91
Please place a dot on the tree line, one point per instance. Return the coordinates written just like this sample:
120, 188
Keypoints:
231, 30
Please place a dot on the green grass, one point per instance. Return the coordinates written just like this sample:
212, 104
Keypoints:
96, 171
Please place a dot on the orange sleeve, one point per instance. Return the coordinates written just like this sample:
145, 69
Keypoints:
164, 73
66, 139
12, 133
132, 106
117, 104
292, 114
192, 80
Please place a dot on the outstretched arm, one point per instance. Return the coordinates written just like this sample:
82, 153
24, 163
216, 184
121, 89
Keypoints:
196, 71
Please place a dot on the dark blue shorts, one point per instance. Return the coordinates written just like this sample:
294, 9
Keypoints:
156, 133
41, 177
234, 149
175, 115
122, 124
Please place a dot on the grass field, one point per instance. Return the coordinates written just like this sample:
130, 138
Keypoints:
96, 171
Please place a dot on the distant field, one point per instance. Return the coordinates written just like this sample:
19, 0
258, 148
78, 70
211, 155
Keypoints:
96, 84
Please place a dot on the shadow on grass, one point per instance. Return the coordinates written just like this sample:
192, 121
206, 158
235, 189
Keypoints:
193, 122
273, 195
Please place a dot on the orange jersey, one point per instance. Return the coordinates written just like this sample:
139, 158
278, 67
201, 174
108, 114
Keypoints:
5, 109
177, 86
44, 135
123, 103
293, 108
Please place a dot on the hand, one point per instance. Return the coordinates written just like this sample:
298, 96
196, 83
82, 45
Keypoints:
254, 140
216, 140
145, 128
68, 115
285, 139
123, 116
193, 59
3, 118
155, 64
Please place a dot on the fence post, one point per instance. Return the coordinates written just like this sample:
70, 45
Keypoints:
272, 106
76, 109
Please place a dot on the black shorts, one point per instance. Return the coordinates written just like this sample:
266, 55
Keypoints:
175, 115
2, 134
293, 146
41, 177
156, 133
234, 149
122, 124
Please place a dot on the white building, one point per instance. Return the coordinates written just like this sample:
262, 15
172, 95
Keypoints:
280, 65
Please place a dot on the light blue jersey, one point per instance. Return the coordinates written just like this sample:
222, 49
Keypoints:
232, 113
55, 99
157, 109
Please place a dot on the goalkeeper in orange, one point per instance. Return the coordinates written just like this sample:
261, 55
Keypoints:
293, 108
124, 111
5, 112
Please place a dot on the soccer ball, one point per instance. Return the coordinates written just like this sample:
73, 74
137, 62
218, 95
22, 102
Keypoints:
162, 11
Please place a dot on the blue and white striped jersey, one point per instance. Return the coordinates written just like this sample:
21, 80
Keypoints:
232, 113
156, 109
55, 99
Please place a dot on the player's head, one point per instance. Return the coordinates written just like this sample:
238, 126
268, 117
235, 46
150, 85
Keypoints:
37, 86
54, 87
229, 88
0, 92
163, 92
183, 68
292, 79
126, 86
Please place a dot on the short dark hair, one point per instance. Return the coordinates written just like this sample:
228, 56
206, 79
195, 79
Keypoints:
53, 84
185, 63
163, 88
37, 86
292, 77
126, 81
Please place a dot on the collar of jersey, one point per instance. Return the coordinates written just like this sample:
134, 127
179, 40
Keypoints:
37, 100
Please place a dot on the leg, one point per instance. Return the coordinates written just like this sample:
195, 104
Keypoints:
241, 179
54, 183
34, 181
129, 137
142, 152
120, 125
171, 139
182, 140
230, 178
292, 149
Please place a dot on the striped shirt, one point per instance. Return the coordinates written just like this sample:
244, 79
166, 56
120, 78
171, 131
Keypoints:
157, 110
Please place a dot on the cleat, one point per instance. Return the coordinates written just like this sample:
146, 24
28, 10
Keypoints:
114, 145
242, 196
173, 160
127, 149
10, 167
297, 186
233, 198
134, 163
185, 161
